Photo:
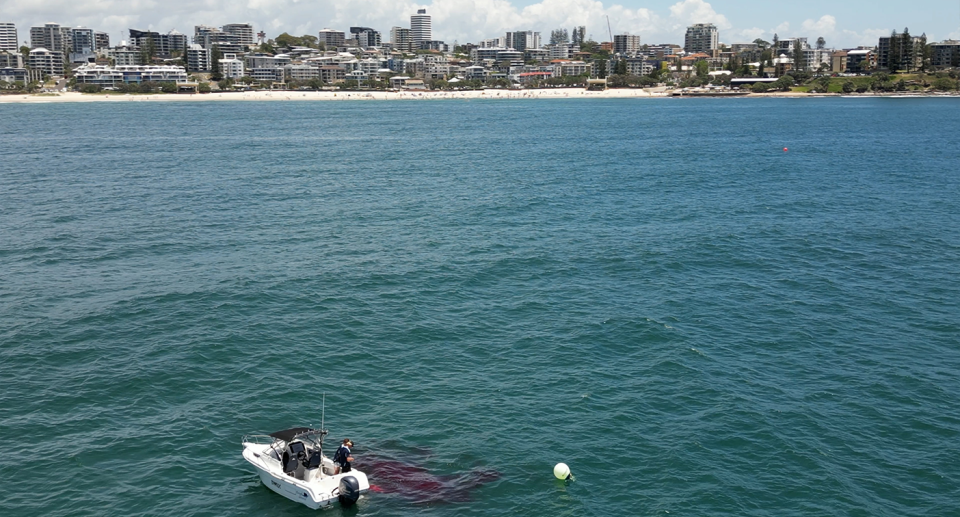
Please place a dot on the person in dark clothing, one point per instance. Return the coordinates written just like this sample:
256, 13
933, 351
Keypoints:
342, 457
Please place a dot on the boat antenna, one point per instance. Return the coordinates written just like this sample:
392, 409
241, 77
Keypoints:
323, 410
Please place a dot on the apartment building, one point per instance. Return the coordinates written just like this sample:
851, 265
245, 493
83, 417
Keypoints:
366, 37
10, 59
14, 74
945, 54
231, 67
900, 53
626, 44
522, 40
198, 59
163, 44
51, 37
420, 29
701, 37
8, 37
401, 39
107, 76
47, 61
242, 33
331, 39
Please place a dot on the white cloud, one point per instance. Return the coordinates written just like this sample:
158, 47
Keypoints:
453, 20
866, 38
748, 35
698, 11
822, 27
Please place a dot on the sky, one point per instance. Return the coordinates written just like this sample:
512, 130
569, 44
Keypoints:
843, 24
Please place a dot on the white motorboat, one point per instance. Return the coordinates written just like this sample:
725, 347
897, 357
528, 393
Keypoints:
291, 463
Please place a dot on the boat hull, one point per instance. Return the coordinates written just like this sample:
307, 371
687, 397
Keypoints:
315, 493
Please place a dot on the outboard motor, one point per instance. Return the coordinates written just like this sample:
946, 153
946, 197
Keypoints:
349, 490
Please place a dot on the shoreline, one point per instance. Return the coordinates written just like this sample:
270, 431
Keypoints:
542, 93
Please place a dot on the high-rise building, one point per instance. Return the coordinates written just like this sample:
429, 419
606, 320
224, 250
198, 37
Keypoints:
242, 31
401, 39
522, 40
82, 41
8, 37
102, 40
163, 44
198, 59
51, 36
209, 37
331, 39
83, 45
420, 29
626, 44
701, 37
366, 37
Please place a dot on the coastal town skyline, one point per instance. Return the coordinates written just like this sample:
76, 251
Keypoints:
848, 25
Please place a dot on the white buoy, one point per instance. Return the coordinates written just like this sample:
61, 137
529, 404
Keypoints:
561, 471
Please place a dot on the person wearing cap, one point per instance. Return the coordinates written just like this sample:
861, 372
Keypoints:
342, 457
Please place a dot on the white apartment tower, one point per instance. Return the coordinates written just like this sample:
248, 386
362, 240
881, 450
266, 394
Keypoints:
420, 29
701, 37
8, 37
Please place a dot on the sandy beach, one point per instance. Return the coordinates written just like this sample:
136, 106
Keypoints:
546, 93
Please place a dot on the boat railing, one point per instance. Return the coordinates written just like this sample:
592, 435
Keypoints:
259, 439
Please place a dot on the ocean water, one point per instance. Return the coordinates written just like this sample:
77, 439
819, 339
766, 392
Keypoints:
652, 291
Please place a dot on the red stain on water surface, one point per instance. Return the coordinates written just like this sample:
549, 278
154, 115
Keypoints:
416, 482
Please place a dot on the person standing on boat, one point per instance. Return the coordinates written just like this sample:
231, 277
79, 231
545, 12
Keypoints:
342, 457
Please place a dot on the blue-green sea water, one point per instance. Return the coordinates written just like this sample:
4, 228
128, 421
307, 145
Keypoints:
652, 291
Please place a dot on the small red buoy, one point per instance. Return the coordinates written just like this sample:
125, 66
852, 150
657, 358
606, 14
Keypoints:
784, 149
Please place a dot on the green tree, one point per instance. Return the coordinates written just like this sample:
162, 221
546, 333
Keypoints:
559, 36
848, 87
703, 69
785, 83
25, 52
906, 50
203, 87
821, 43
759, 88
824, 83
926, 54
215, 57
799, 60
893, 60
148, 52
286, 40
622, 66
601, 68
761, 44
169, 87
944, 84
